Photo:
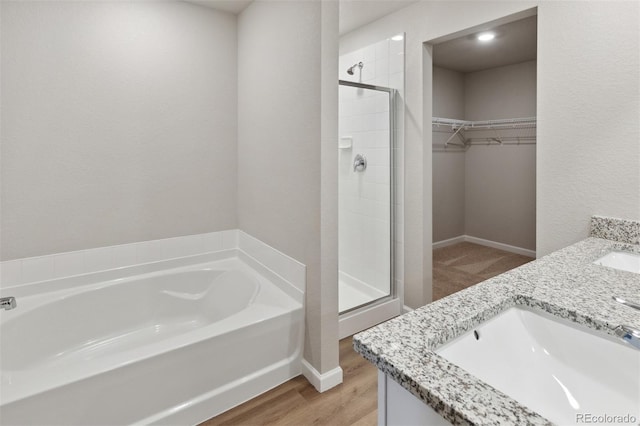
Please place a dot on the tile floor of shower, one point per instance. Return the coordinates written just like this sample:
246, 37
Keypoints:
353, 292
354, 402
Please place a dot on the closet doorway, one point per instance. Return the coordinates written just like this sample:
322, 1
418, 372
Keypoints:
484, 154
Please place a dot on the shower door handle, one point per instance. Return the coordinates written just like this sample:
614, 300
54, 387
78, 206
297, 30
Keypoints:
359, 163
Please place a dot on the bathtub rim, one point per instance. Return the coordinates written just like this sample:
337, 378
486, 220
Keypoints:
38, 288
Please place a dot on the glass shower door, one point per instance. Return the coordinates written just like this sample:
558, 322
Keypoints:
365, 183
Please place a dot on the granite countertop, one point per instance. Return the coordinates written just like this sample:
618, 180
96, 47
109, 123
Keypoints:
565, 283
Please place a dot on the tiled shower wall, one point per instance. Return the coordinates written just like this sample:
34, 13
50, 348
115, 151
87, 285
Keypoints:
364, 197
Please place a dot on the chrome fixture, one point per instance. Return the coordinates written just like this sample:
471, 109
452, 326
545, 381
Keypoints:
359, 163
7, 303
628, 303
359, 65
629, 335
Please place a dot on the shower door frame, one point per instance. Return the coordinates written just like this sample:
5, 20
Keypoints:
392, 193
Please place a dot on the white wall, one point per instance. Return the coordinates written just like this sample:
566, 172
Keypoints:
364, 197
287, 79
118, 123
322, 310
588, 109
587, 71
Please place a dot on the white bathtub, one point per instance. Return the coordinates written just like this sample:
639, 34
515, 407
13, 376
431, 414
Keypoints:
171, 346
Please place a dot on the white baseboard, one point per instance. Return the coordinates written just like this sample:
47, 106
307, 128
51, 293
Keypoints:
449, 242
483, 242
322, 382
406, 309
500, 246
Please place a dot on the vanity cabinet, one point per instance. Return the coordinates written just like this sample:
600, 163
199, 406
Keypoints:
398, 407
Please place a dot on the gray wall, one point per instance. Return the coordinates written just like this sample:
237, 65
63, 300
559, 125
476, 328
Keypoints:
448, 167
448, 94
118, 123
503, 92
500, 181
486, 192
283, 76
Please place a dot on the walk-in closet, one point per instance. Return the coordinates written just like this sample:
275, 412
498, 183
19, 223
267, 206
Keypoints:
484, 154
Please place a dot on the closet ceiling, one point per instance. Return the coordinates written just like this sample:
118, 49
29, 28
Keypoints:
515, 42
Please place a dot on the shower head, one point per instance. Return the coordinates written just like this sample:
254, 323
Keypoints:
359, 65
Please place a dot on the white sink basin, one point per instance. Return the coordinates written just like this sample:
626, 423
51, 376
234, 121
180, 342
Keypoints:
621, 260
556, 368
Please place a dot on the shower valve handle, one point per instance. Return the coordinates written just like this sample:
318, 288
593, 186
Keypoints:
359, 163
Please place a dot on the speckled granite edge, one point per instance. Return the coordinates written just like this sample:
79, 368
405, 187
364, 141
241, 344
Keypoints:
613, 229
442, 392
565, 284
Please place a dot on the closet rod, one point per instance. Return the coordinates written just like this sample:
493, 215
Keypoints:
480, 141
507, 140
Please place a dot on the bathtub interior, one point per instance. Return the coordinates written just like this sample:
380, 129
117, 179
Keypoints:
59, 342
120, 314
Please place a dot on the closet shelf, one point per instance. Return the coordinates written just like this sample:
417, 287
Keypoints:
516, 127
507, 123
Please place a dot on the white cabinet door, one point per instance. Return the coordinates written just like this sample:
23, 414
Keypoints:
397, 407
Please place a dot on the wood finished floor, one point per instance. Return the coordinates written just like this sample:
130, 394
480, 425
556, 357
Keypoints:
297, 403
462, 265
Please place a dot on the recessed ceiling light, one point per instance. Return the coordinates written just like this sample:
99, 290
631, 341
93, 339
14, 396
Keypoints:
397, 38
486, 36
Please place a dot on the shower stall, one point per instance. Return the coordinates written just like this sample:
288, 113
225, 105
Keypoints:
366, 198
